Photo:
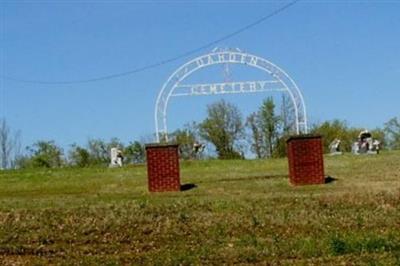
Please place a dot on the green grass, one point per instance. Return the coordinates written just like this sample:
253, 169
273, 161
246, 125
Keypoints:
241, 212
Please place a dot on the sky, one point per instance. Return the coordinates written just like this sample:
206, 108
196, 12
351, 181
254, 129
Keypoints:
343, 55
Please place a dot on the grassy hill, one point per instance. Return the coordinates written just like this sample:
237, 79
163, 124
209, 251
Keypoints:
240, 212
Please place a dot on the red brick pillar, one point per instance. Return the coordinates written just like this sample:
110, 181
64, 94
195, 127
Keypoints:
163, 167
306, 161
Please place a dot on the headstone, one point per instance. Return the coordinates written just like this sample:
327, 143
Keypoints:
366, 144
334, 147
116, 157
355, 148
363, 147
376, 146
198, 147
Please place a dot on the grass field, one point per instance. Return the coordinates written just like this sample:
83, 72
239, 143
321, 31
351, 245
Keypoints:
241, 212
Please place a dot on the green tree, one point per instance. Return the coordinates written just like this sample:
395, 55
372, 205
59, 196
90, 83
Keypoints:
280, 146
223, 127
135, 152
392, 131
270, 124
79, 156
185, 138
266, 130
331, 130
43, 154
98, 150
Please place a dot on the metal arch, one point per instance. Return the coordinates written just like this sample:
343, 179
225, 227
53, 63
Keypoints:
173, 84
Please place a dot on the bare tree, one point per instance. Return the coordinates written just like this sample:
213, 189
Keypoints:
288, 118
10, 146
5, 144
16, 151
257, 139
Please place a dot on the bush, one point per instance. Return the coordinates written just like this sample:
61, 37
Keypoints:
44, 154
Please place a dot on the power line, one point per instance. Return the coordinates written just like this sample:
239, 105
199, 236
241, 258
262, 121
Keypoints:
163, 62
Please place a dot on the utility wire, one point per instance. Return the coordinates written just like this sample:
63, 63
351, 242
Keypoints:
163, 62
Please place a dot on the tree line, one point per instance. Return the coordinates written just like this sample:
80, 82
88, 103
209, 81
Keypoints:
262, 134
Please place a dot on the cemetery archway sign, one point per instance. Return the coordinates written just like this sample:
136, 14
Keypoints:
278, 80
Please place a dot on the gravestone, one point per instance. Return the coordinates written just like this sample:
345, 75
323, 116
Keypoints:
376, 146
116, 157
197, 149
366, 144
355, 148
334, 147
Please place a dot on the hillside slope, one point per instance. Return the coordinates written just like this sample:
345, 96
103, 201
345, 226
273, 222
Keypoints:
239, 212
